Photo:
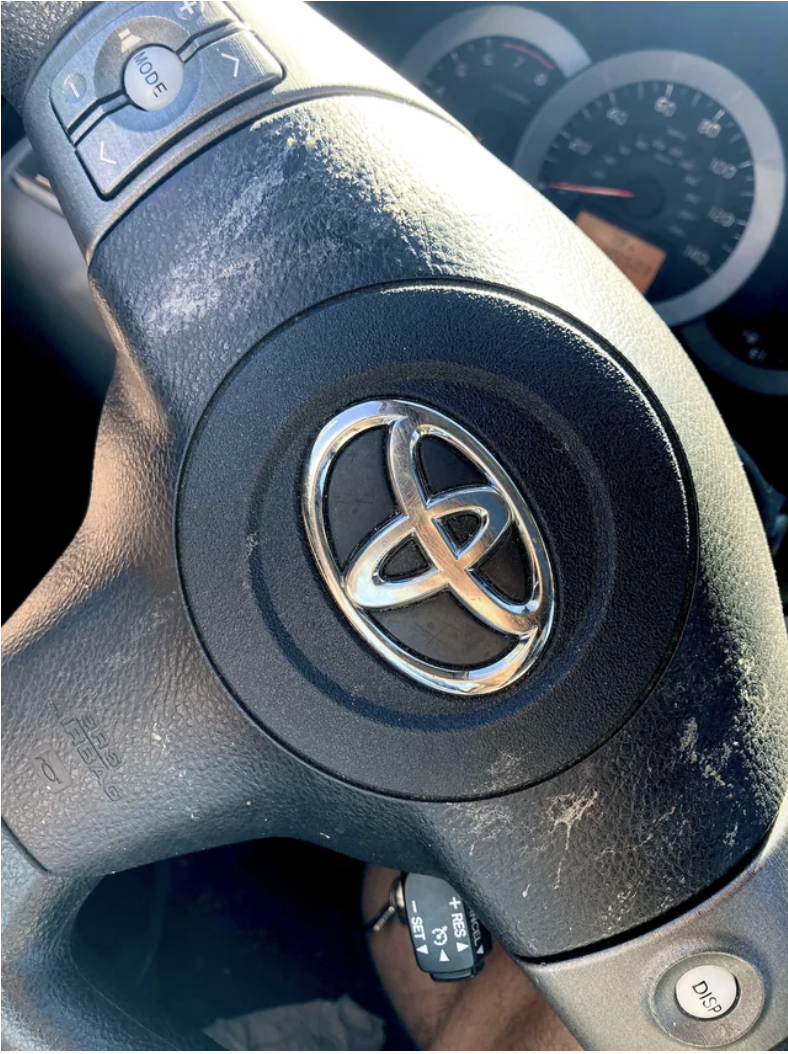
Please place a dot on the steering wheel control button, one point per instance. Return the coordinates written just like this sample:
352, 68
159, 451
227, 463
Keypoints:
235, 65
153, 78
74, 87
449, 942
218, 75
73, 93
188, 10
96, 72
707, 991
710, 999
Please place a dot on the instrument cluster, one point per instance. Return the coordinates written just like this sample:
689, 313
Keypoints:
669, 161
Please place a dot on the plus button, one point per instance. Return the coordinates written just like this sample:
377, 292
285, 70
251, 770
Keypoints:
188, 8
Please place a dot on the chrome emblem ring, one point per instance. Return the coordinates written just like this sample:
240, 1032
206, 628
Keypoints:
361, 588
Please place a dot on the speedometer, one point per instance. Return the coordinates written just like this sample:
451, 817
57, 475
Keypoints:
672, 165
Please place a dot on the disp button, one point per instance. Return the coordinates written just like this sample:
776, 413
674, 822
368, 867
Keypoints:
707, 991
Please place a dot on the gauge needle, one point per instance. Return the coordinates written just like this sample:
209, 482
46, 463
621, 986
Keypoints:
582, 188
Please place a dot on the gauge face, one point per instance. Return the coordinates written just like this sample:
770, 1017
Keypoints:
678, 177
660, 176
492, 67
758, 339
490, 85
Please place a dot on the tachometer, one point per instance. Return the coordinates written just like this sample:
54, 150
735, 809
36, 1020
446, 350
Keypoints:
489, 84
492, 68
672, 165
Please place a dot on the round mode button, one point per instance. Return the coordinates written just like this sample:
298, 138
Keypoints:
153, 77
707, 991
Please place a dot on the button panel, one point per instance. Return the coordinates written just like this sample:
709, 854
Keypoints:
218, 75
93, 74
149, 78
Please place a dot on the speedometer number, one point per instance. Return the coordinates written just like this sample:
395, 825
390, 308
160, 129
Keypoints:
711, 129
579, 146
696, 255
720, 216
665, 106
617, 116
722, 168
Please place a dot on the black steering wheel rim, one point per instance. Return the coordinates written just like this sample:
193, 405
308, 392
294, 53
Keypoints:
345, 191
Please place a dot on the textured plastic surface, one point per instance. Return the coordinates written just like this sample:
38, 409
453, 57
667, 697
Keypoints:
337, 191
621, 989
319, 60
29, 31
583, 444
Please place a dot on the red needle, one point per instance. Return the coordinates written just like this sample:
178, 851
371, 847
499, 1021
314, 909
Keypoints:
534, 54
581, 188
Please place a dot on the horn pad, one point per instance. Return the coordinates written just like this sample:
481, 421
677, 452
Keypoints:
560, 469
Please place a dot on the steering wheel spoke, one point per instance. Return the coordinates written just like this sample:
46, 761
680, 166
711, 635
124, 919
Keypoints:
120, 743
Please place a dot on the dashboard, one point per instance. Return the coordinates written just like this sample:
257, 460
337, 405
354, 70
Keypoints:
661, 130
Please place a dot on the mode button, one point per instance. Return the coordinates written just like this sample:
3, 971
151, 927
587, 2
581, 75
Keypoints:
153, 77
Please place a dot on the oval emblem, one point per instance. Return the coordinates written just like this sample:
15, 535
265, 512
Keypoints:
428, 547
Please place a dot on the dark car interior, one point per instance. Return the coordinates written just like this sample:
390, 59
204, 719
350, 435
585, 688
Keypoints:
660, 130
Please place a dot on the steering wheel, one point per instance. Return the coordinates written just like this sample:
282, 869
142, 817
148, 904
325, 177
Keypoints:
413, 532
